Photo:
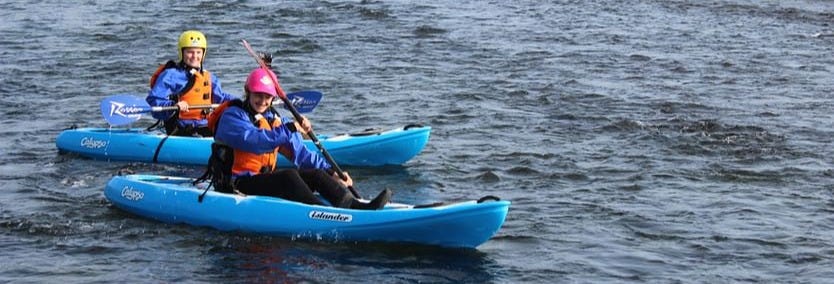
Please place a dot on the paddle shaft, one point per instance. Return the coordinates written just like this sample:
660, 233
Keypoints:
169, 108
298, 117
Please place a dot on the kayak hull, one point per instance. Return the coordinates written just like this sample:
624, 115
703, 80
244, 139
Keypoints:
175, 200
390, 147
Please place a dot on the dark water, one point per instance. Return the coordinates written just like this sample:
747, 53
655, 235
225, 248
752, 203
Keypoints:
640, 141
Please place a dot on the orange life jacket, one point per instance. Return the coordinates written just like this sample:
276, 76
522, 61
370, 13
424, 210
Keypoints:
248, 161
196, 92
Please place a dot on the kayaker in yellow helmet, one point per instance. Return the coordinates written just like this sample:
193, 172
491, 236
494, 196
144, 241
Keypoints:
186, 83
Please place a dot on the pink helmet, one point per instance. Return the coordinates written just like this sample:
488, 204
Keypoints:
260, 81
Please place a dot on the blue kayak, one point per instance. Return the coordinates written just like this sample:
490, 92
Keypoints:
368, 148
175, 200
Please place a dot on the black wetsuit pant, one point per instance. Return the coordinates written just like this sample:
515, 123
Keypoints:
295, 185
188, 131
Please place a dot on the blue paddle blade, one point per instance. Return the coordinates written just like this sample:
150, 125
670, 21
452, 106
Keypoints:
304, 101
123, 109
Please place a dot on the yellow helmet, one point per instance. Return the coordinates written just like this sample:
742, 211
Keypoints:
191, 39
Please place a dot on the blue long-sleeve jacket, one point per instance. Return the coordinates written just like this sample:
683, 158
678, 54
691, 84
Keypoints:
173, 81
236, 130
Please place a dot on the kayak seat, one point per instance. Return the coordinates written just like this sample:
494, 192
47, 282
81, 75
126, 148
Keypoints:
412, 125
488, 198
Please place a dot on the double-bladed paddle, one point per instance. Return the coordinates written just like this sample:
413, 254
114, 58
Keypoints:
297, 115
125, 109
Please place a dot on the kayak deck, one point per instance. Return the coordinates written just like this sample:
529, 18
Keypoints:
175, 200
389, 147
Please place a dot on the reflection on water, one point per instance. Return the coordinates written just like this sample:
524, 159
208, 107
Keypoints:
267, 259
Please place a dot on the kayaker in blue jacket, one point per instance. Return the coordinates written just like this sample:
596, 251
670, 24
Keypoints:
185, 84
249, 136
